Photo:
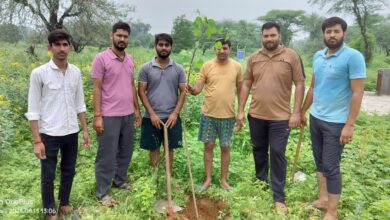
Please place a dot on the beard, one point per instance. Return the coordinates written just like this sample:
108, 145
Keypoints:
336, 45
271, 45
163, 56
121, 46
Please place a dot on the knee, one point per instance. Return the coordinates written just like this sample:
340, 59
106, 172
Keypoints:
209, 147
331, 171
225, 149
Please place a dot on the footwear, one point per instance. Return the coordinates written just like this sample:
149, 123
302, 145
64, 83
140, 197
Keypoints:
126, 186
65, 210
281, 208
108, 201
202, 188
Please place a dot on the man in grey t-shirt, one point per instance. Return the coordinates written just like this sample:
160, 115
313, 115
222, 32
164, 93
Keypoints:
159, 83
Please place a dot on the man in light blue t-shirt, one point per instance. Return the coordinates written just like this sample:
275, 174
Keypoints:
335, 94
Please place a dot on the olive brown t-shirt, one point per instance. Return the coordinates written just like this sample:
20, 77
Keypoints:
273, 75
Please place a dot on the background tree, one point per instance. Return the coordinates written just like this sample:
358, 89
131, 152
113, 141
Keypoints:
311, 24
361, 9
242, 34
382, 34
53, 14
10, 33
182, 34
140, 36
287, 19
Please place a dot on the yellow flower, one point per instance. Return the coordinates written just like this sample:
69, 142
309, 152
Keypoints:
15, 64
49, 54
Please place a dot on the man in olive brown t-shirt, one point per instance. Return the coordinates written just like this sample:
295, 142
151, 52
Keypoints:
270, 73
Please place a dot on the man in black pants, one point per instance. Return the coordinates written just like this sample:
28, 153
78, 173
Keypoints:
270, 73
55, 100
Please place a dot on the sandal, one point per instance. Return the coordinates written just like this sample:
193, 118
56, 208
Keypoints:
126, 186
108, 201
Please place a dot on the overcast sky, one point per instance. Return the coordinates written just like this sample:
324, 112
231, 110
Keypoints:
161, 13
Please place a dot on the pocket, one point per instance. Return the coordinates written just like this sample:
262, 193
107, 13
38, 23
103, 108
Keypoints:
54, 86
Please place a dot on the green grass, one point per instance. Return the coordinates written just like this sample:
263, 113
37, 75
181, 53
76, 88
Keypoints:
365, 162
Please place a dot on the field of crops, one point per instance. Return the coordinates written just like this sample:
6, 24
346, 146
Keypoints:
365, 163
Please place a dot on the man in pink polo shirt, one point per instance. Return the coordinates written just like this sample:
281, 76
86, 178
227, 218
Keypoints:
116, 110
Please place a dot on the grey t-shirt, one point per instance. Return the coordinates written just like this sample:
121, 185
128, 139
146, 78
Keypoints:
162, 86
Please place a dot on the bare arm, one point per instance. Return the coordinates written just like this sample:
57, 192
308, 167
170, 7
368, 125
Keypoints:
242, 98
39, 147
86, 137
173, 117
197, 88
357, 86
97, 103
307, 103
137, 110
148, 107
295, 118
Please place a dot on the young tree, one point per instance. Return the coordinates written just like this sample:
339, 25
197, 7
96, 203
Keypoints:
361, 9
286, 19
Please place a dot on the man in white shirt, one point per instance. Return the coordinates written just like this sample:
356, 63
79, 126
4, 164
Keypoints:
55, 100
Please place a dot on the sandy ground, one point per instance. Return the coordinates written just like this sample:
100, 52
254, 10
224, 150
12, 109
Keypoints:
374, 104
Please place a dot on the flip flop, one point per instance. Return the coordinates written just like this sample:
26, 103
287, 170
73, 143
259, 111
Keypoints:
108, 201
202, 188
126, 186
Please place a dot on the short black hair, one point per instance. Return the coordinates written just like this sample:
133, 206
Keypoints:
121, 25
269, 25
332, 21
224, 41
163, 36
58, 34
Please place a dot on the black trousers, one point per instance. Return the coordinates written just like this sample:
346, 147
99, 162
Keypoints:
68, 146
272, 134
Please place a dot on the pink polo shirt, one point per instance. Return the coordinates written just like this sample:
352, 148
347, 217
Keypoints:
117, 92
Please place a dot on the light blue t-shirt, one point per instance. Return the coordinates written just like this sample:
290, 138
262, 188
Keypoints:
332, 86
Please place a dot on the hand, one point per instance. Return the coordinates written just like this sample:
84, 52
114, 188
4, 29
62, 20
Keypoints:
303, 120
295, 120
86, 139
98, 125
190, 89
171, 120
138, 119
240, 121
156, 121
39, 151
346, 134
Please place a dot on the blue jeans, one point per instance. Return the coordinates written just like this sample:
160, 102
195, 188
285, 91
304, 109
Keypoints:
68, 146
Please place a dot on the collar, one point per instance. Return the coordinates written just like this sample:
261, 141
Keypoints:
277, 51
53, 65
113, 56
323, 51
154, 62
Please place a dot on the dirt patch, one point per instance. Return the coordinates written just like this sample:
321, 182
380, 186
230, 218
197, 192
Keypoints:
374, 104
207, 210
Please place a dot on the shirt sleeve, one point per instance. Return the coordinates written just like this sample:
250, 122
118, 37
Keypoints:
249, 70
182, 75
297, 69
97, 67
143, 75
239, 73
203, 73
357, 66
80, 103
34, 97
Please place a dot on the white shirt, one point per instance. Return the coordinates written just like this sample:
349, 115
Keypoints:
55, 99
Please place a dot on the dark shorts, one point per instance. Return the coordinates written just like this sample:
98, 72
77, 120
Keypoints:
152, 137
210, 128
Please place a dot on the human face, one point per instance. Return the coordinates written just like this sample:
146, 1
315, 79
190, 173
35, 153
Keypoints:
334, 36
223, 52
120, 39
60, 49
271, 38
163, 49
